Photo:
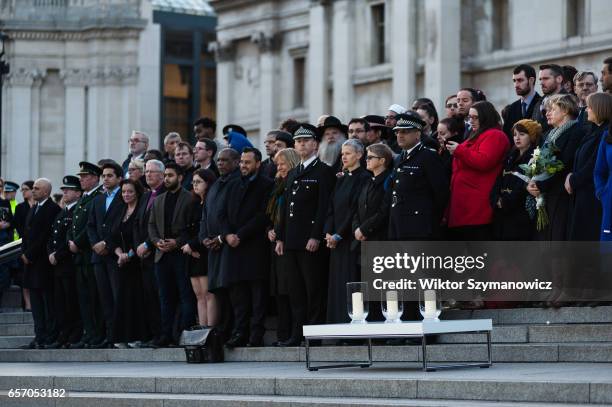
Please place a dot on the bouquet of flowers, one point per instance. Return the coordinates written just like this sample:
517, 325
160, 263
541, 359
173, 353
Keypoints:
542, 166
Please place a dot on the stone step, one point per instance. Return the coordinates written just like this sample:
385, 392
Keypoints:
15, 318
88, 399
570, 333
17, 329
513, 316
519, 383
12, 342
11, 297
549, 352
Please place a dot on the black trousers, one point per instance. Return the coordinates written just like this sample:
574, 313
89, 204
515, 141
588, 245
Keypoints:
283, 315
249, 304
43, 313
89, 304
150, 291
308, 274
107, 279
67, 307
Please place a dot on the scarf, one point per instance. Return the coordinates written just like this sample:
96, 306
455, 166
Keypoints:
557, 132
276, 201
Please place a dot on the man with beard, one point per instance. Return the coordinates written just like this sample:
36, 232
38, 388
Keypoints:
168, 224
551, 82
393, 111
268, 168
332, 134
358, 128
300, 230
524, 78
211, 234
244, 222
606, 76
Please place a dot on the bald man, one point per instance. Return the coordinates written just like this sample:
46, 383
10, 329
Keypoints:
38, 273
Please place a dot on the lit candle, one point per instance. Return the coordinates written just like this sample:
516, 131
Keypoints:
392, 305
357, 306
430, 304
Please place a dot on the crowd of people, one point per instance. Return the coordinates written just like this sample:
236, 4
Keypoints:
207, 234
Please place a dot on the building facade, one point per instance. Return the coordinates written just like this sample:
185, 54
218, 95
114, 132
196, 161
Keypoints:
304, 58
85, 73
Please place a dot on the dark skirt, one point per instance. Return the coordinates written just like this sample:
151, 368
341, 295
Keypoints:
197, 267
129, 322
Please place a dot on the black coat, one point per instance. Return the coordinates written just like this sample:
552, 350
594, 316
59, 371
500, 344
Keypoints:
58, 242
557, 198
210, 225
512, 221
101, 222
418, 195
585, 209
342, 260
38, 227
268, 168
513, 112
245, 215
368, 217
304, 211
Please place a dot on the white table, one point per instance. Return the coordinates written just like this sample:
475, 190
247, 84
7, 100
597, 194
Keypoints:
418, 329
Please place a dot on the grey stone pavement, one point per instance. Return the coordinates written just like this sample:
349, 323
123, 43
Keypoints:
536, 372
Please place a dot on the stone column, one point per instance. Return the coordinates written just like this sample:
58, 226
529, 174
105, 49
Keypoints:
224, 54
442, 57
403, 58
75, 137
268, 45
342, 59
22, 127
317, 61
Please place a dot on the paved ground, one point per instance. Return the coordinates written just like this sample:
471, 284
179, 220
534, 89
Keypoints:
536, 372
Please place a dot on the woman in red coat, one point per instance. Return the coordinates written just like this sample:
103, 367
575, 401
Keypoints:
476, 164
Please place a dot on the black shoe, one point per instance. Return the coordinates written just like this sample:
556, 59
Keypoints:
161, 342
256, 343
290, 342
236, 341
101, 345
31, 345
78, 345
54, 345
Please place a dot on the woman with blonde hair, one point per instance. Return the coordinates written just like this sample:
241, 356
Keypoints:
564, 138
285, 160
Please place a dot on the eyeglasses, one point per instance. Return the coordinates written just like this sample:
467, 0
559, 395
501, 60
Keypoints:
196, 182
371, 157
473, 117
451, 105
390, 117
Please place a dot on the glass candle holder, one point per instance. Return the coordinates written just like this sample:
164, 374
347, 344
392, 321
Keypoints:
392, 305
357, 306
430, 305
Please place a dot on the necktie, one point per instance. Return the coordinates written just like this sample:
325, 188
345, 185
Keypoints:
151, 198
524, 108
36, 209
300, 168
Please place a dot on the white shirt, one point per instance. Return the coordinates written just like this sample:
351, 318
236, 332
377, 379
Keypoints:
309, 161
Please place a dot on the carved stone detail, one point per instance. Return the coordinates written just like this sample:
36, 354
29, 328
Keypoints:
267, 42
25, 77
224, 50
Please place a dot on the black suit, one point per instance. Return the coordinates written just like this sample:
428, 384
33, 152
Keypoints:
303, 217
65, 285
513, 112
99, 228
149, 281
38, 275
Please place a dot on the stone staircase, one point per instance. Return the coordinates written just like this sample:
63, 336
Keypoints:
568, 353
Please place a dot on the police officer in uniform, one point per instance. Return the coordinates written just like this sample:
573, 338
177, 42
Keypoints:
300, 232
60, 257
78, 243
419, 188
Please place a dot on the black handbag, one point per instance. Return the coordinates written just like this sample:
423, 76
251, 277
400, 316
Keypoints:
202, 345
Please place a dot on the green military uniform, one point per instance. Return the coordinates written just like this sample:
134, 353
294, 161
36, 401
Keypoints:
91, 312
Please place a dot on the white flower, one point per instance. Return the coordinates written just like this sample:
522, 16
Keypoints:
536, 152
